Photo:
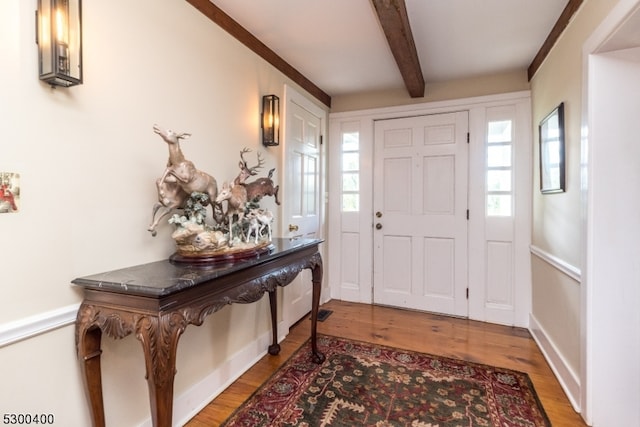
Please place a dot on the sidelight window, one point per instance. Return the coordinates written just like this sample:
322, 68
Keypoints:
499, 168
350, 171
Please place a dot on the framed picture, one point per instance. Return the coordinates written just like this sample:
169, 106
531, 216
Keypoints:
9, 192
551, 131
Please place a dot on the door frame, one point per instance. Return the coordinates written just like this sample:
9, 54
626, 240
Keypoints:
599, 305
360, 288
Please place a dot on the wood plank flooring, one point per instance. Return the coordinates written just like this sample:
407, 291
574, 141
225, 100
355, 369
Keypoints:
479, 342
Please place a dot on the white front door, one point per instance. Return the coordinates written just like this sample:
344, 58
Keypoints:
420, 212
302, 199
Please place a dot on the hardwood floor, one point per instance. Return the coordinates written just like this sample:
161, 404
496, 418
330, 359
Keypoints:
479, 342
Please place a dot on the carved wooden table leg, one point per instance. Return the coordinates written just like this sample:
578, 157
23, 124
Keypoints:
159, 338
88, 340
316, 277
274, 348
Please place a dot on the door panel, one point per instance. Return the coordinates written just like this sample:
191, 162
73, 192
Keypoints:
397, 280
420, 235
438, 265
439, 185
302, 199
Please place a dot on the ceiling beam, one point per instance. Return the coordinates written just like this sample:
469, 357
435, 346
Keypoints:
565, 17
228, 24
394, 20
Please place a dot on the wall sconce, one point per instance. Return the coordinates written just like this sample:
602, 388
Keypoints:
59, 39
270, 120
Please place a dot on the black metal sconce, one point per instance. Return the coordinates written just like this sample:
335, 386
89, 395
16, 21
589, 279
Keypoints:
59, 39
270, 120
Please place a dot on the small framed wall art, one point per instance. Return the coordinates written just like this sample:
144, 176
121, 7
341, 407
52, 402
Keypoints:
551, 130
9, 192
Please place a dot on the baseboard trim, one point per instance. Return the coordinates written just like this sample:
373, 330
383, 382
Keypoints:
38, 324
563, 266
568, 379
188, 404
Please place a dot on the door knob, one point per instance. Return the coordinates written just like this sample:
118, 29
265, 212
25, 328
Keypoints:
293, 227
378, 226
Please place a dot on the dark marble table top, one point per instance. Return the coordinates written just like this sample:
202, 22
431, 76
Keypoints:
161, 278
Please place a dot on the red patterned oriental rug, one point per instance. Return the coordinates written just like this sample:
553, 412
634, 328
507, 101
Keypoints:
362, 384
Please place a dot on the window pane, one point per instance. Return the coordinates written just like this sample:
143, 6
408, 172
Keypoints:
499, 131
350, 161
350, 202
310, 189
498, 156
350, 182
499, 180
350, 141
350, 171
498, 205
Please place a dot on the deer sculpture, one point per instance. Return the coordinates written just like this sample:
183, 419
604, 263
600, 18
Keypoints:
259, 219
260, 187
236, 197
179, 180
170, 196
245, 170
263, 187
239, 192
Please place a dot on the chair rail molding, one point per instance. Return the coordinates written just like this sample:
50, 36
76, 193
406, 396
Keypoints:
560, 264
41, 323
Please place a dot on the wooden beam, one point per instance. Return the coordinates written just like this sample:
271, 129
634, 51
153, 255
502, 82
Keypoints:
394, 20
565, 17
217, 15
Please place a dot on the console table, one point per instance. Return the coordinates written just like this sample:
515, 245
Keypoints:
156, 302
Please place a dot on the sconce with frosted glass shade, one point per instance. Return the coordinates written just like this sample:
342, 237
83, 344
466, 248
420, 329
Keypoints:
270, 120
59, 39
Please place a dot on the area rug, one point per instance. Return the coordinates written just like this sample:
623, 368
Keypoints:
362, 384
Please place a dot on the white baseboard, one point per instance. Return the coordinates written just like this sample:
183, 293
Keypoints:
568, 379
191, 402
32, 326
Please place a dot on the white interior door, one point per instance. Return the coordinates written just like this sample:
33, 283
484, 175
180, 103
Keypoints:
420, 205
302, 199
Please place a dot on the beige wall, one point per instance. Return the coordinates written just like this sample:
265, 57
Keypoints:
557, 227
559, 79
558, 290
88, 160
514, 81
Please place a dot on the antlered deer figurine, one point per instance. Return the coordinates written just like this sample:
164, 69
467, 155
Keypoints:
260, 187
245, 170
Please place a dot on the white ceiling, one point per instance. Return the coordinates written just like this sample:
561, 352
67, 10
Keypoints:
340, 46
